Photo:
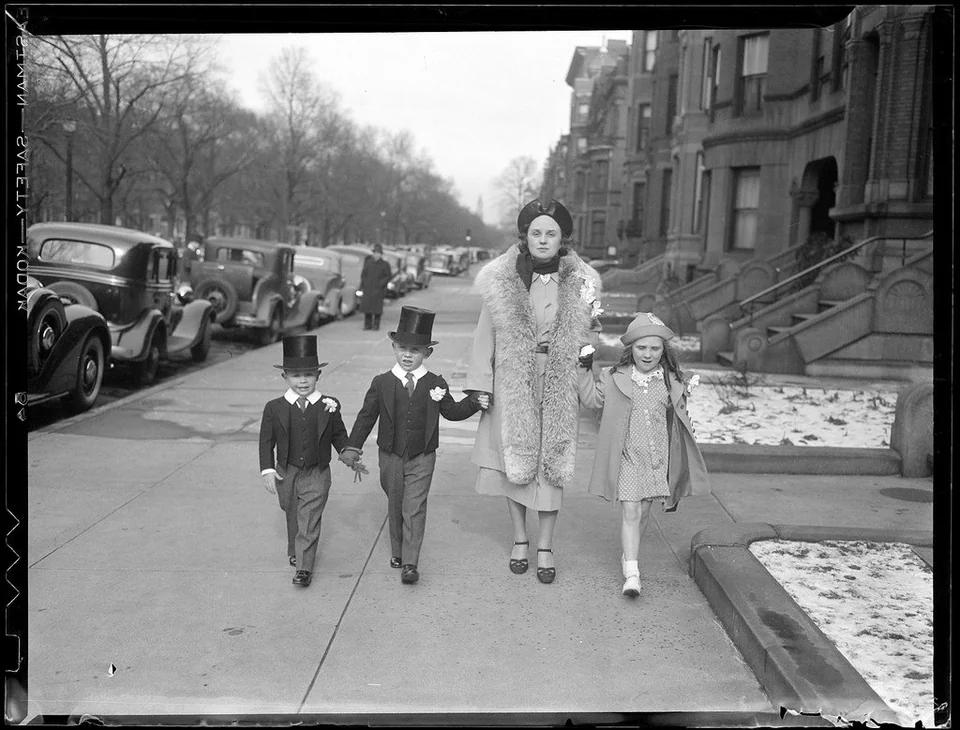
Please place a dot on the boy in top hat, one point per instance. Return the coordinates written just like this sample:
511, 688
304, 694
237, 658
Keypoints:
301, 426
408, 400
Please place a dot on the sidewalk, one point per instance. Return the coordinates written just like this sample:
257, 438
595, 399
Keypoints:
154, 548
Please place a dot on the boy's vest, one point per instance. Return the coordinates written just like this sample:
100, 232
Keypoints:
304, 450
411, 419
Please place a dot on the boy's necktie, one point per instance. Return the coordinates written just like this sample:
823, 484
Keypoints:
302, 403
411, 386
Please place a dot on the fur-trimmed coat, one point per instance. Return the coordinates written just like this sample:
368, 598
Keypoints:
518, 433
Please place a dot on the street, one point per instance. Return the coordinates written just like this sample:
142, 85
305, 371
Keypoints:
158, 579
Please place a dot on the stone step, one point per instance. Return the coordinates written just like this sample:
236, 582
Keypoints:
748, 459
803, 316
825, 304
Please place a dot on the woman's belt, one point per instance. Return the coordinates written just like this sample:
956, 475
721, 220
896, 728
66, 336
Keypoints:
542, 349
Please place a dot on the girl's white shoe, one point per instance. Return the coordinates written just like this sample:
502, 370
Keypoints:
631, 586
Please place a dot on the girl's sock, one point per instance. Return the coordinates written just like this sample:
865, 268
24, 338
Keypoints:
630, 567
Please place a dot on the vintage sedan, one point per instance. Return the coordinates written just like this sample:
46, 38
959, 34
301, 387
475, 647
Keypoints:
323, 271
251, 283
129, 277
442, 262
416, 267
68, 349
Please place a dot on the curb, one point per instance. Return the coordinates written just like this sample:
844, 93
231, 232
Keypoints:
797, 665
839, 460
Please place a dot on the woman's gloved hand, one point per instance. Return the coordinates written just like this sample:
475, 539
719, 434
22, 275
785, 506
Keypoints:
586, 356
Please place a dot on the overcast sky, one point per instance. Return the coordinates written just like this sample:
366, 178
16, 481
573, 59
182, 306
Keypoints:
473, 101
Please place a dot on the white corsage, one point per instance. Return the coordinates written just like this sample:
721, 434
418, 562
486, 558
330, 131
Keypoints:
693, 382
331, 404
587, 350
438, 393
588, 294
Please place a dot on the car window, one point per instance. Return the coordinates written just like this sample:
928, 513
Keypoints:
77, 252
162, 265
240, 256
438, 259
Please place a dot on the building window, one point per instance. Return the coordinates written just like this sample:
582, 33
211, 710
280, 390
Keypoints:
671, 103
666, 181
714, 78
684, 78
649, 50
598, 222
841, 34
581, 144
637, 212
753, 73
583, 110
643, 126
698, 195
600, 170
746, 203
706, 86
816, 66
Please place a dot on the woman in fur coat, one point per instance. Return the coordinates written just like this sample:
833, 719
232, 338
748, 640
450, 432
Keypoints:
540, 304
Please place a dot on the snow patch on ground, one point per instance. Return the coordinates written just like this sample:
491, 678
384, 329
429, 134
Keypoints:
874, 601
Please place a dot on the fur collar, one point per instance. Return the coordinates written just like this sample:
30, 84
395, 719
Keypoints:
535, 436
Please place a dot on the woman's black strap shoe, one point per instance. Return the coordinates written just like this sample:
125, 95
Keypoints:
546, 575
520, 565
395, 562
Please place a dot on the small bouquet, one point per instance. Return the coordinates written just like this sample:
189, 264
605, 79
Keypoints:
438, 393
588, 294
693, 382
331, 404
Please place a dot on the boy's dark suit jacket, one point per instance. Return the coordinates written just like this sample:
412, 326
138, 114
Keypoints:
275, 430
379, 401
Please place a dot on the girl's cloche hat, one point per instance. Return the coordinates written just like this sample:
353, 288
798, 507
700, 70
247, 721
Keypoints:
554, 209
646, 324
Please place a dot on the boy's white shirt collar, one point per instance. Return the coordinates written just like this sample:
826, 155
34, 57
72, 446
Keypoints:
401, 374
291, 397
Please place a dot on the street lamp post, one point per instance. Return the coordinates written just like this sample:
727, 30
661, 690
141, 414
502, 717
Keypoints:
69, 127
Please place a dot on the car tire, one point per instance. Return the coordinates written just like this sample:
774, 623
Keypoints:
74, 292
145, 371
48, 325
200, 350
221, 294
90, 367
271, 333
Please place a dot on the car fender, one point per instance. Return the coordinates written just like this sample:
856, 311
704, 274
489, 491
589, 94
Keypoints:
131, 344
308, 304
266, 305
59, 370
196, 315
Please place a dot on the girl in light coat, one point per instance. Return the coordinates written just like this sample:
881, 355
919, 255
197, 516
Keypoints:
645, 447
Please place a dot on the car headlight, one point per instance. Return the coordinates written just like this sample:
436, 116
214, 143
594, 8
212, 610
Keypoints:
185, 293
359, 293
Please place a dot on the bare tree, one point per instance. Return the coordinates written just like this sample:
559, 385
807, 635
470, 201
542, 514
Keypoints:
118, 87
517, 185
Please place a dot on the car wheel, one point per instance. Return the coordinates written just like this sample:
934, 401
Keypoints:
90, 367
145, 371
48, 325
270, 334
75, 293
221, 294
344, 309
200, 350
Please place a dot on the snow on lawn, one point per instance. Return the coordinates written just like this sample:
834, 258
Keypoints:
724, 410
874, 601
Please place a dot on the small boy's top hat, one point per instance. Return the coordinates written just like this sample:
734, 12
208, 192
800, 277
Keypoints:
646, 324
554, 209
300, 353
415, 327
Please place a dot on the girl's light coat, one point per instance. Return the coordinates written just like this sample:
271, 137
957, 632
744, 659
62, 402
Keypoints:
686, 472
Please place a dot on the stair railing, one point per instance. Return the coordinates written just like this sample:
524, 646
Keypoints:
751, 303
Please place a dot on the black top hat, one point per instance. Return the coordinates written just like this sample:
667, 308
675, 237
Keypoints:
377, 248
415, 327
300, 353
554, 209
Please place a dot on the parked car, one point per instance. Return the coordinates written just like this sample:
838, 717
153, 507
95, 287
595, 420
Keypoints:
351, 266
442, 262
398, 284
416, 266
130, 278
68, 349
405, 281
251, 283
323, 271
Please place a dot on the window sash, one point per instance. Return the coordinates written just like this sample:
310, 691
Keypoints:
755, 55
706, 82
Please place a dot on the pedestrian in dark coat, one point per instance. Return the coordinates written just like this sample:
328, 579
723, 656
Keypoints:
374, 278
408, 400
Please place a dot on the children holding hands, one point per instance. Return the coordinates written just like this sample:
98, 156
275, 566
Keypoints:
408, 400
645, 446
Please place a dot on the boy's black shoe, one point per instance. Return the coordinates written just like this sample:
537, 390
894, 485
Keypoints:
409, 574
302, 578
395, 562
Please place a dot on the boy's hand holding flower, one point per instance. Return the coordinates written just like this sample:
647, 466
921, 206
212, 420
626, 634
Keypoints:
438, 393
350, 456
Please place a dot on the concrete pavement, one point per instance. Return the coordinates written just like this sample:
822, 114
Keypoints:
153, 548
